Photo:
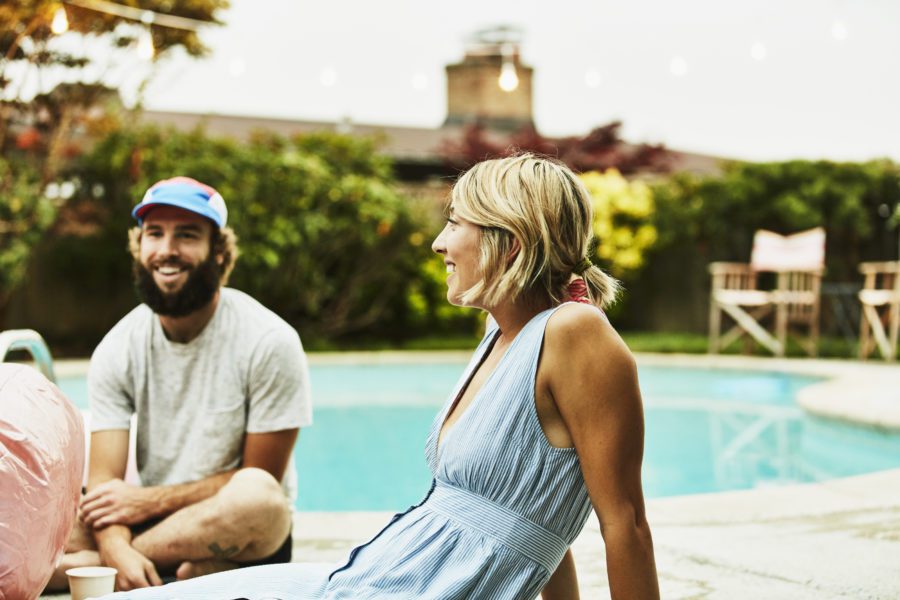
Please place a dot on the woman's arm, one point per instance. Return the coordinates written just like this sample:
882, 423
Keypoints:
563, 584
592, 379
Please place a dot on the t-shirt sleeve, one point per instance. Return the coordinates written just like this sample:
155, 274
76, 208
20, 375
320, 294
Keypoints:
110, 398
279, 384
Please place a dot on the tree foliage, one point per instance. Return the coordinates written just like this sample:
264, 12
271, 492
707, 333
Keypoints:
601, 149
326, 240
25, 213
42, 122
622, 221
852, 201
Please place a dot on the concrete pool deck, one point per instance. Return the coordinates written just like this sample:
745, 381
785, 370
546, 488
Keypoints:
839, 539
834, 540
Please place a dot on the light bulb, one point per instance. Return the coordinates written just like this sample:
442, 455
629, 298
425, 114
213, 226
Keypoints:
145, 47
60, 22
678, 67
839, 30
328, 77
758, 51
509, 79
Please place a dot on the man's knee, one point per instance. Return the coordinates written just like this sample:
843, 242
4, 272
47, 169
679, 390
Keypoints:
255, 502
255, 495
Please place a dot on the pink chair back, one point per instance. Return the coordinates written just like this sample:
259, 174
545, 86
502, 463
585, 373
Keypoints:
803, 251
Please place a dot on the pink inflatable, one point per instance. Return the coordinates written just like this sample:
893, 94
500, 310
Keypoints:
41, 463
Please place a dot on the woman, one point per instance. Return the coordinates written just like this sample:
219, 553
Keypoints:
545, 424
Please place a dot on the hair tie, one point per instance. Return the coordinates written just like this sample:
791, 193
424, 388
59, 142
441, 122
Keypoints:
578, 291
583, 265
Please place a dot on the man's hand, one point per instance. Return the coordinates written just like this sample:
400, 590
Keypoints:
134, 569
115, 502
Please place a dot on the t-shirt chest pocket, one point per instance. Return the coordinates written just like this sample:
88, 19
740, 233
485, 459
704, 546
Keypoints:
221, 434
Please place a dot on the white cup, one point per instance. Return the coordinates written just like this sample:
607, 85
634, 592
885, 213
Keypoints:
91, 582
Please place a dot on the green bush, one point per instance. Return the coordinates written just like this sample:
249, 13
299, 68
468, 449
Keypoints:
326, 239
719, 215
25, 213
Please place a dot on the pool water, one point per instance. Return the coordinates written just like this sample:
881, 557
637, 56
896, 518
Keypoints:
707, 430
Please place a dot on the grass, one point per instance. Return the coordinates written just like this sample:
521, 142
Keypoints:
460, 342
638, 341
696, 343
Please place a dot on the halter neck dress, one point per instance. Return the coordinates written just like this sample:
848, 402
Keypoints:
503, 508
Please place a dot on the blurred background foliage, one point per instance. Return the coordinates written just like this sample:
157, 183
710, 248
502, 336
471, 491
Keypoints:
622, 221
330, 242
326, 239
25, 214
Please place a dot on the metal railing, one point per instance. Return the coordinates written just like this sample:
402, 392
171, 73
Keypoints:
30, 341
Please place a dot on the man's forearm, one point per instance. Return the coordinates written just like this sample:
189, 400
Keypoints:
110, 539
170, 498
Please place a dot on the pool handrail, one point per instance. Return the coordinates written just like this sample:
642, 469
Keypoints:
32, 342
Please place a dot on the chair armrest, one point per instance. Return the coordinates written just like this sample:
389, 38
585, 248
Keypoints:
879, 268
729, 268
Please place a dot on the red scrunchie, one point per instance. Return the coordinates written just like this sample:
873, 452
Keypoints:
578, 291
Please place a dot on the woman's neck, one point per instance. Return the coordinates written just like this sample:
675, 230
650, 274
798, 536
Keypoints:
511, 317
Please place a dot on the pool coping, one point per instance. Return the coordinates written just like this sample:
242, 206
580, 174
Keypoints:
861, 392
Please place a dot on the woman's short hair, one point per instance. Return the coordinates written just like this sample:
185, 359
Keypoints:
222, 241
541, 204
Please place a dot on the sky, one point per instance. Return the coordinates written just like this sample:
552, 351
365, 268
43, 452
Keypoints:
756, 80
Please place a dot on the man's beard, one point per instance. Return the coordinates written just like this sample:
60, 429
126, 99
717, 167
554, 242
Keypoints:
198, 291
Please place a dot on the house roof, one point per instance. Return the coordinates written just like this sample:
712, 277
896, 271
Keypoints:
417, 145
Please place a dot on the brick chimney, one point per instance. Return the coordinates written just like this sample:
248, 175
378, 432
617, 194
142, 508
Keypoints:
474, 92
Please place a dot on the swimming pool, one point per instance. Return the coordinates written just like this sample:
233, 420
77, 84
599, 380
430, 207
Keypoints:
707, 430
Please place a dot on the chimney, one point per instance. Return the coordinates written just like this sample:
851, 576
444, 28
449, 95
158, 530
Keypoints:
491, 86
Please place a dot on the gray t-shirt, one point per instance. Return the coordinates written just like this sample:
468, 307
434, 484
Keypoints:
245, 373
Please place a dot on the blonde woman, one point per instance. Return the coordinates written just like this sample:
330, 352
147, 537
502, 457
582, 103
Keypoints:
544, 426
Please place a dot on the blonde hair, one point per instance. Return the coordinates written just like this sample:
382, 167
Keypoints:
222, 241
541, 204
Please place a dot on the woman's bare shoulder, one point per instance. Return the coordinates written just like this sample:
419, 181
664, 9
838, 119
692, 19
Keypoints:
580, 328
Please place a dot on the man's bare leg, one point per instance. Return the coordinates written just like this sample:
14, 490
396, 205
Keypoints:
81, 551
248, 519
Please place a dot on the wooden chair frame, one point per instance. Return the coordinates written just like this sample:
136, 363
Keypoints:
879, 322
794, 302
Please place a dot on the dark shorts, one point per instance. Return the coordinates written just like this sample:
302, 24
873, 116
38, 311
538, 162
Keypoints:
282, 555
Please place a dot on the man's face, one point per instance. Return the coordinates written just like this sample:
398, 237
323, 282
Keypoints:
176, 274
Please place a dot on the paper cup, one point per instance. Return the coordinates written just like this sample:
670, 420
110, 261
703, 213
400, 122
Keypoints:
91, 582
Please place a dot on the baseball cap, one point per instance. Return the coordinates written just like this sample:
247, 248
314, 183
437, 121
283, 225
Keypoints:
186, 193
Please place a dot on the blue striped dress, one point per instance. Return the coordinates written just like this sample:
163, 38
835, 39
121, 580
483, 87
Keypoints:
503, 508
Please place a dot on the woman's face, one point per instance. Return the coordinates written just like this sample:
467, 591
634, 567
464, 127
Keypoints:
460, 245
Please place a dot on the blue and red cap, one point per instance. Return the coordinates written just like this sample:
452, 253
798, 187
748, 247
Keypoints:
186, 193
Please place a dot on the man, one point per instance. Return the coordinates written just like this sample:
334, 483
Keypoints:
219, 387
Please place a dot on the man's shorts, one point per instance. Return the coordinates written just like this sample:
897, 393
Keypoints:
282, 555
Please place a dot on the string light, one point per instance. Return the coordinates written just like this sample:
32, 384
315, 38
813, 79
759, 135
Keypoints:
146, 17
592, 78
678, 66
328, 77
145, 48
60, 22
509, 79
758, 51
839, 30
237, 67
